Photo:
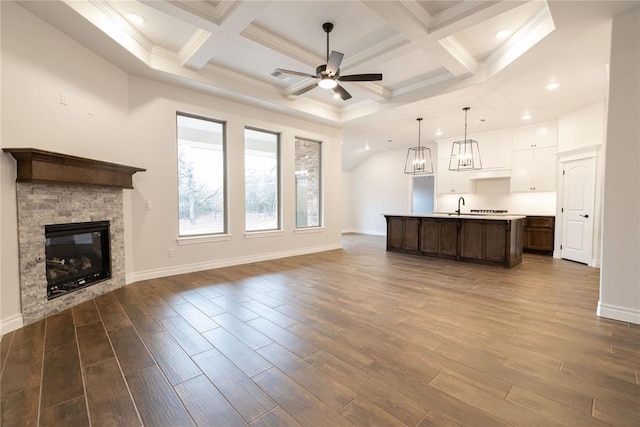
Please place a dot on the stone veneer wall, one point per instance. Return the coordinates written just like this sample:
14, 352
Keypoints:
45, 204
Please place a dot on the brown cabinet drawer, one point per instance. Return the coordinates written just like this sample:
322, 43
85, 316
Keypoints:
539, 221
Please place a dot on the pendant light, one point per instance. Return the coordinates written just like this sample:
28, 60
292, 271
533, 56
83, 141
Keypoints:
465, 155
418, 160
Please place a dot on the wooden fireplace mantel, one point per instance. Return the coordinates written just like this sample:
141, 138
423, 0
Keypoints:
47, 167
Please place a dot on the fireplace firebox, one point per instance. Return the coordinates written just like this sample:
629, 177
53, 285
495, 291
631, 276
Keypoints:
77, 255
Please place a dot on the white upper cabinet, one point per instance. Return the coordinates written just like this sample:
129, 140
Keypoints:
533, 165
449, 182
534, 170
539, 136
495, 153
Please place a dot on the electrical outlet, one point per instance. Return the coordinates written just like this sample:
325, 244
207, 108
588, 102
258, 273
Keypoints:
90, 109
63, 98
171, 253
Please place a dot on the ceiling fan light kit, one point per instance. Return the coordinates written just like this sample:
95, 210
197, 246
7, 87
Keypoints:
418, 160
328, 74
465, 154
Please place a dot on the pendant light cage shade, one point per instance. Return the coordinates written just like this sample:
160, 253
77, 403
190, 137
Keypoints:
418, 160
465, 154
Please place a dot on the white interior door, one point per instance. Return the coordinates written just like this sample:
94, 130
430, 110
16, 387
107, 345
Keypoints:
578, 203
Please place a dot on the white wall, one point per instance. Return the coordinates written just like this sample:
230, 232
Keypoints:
620, 271
38, 62
379, 186
134, 124
347, 211
152, 126
581, 134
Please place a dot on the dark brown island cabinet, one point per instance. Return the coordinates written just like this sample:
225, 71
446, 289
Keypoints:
539, 234
493, 240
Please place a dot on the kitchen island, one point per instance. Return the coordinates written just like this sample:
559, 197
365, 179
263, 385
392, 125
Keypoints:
484, 239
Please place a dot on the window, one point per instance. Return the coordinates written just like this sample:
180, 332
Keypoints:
308, 179
201, 176
262, 180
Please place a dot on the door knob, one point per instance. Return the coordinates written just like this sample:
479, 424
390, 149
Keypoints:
585, 215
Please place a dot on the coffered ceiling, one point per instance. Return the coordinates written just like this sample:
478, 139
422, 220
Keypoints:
436, 57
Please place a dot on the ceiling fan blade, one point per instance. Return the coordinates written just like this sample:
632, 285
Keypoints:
361, 78
333, 64
295, 73
305, 89
342, 92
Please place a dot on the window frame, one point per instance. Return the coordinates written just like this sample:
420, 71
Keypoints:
310, 228
214, 236
278, 181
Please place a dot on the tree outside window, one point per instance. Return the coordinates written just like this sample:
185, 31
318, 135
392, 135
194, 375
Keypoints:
201, 176
262, 180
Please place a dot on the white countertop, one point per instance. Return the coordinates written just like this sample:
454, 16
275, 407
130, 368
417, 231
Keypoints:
500, 217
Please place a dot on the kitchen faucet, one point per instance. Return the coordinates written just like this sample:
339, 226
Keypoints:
461, 199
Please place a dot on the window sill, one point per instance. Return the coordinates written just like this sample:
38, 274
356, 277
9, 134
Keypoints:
309, 230
193, 240
261, 234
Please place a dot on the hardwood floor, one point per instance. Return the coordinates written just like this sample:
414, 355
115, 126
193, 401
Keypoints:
355, 336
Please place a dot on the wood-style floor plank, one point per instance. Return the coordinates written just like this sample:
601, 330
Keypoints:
85, 313
93, 343
331, 392
131, 351
185, 335
108, 397
240, 330
113, 317
70, 413
206, 404
245, 396
60, 330
171, 358
353, 336
245, 358
276, 418
157, 402
61, 375
297, 401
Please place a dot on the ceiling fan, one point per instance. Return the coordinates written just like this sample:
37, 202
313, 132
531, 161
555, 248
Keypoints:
329, 73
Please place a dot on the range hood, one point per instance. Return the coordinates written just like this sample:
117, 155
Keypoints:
490, 174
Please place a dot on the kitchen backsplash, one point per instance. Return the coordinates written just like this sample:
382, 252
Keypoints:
495, 193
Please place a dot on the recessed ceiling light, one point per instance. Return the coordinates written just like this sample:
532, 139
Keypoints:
136, 19
503, 34
526, 116
552, 86
438, 132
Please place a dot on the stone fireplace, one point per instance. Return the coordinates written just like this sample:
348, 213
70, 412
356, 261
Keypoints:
52, 191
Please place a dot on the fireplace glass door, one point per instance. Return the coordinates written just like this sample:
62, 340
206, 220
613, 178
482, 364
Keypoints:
77, 255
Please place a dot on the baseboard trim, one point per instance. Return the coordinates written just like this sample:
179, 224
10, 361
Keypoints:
595, 263
371, 232
622, 314
11, 324
211, 265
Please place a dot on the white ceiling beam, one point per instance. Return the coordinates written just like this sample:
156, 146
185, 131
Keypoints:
195, 53
215, 22
452, 56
